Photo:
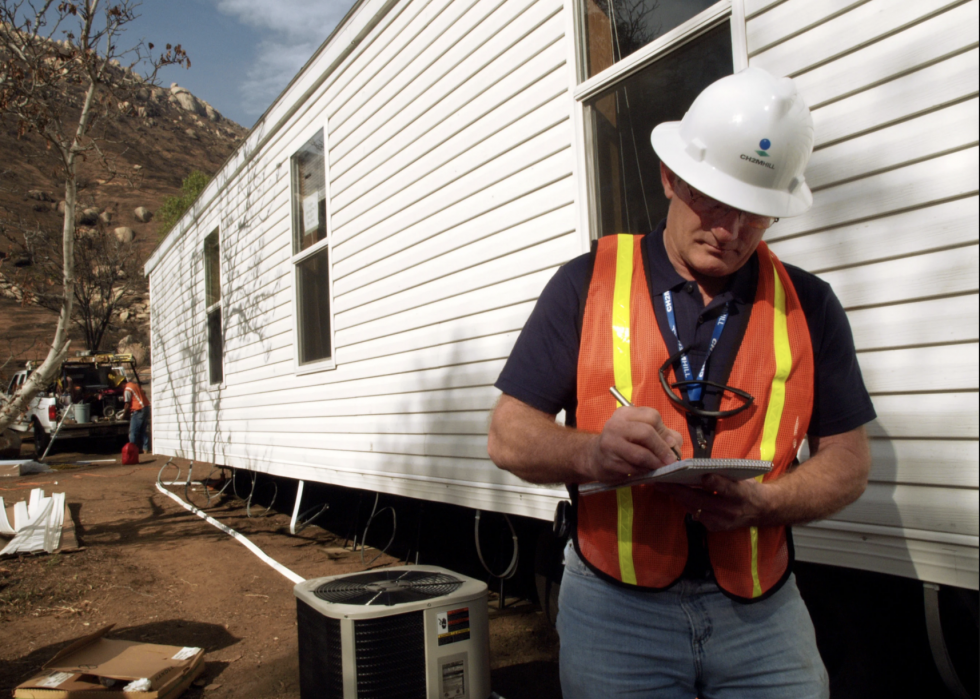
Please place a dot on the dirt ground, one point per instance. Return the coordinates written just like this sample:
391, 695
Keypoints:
163, 575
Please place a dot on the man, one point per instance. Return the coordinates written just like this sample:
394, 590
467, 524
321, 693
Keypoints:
677, 591
138, 414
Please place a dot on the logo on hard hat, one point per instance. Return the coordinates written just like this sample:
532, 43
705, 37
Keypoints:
764, 146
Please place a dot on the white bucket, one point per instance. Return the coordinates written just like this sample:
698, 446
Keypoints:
83, 412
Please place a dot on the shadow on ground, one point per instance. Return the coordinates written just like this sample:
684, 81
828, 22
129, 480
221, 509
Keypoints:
512, 682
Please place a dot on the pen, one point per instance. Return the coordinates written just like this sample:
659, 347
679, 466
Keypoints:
622, 399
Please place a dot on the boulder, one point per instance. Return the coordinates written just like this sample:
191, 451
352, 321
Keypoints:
188, 102
142, 214
213, 114
61, 206
190, 133
39, 195
124, 234
106, 217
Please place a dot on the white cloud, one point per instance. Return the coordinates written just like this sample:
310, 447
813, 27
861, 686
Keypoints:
293, 30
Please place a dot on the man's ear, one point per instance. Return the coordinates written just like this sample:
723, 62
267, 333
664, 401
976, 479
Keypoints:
667, 180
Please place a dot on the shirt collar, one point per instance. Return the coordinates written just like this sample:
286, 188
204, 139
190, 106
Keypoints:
663, 276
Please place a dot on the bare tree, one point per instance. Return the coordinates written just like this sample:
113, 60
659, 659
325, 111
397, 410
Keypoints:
106, 271
60, 72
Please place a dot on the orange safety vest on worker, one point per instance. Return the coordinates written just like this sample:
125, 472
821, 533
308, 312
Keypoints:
636, 535
134, 392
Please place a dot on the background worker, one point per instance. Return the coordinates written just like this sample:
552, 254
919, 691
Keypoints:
677, 591
138, 414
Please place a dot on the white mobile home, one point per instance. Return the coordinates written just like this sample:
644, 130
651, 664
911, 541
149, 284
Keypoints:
338, 303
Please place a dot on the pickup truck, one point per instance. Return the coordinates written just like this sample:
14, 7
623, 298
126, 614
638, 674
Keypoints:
85, 400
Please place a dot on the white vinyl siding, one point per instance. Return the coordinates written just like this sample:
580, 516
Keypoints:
451, 203
894, 229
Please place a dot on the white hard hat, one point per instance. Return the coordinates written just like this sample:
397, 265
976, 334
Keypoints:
745, 141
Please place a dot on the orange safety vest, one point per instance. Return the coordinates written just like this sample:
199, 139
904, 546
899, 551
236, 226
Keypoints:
636, 535
139, 398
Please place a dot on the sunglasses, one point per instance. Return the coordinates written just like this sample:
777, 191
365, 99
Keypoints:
746, 398
712, 210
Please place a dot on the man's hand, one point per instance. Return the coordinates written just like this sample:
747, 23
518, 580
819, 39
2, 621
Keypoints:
634, 440
529, 444
833, 477
722, 504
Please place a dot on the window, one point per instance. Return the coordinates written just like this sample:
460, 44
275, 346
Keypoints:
311, 252
615, 29
620, 113
212, 284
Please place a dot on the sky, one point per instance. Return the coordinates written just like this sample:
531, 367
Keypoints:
243, 52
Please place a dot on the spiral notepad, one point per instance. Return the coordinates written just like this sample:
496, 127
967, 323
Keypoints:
687, 472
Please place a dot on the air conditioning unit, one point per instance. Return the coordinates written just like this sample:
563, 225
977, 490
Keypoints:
413, 632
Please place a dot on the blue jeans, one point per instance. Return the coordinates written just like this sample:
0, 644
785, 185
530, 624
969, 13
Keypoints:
139, 428
686, 642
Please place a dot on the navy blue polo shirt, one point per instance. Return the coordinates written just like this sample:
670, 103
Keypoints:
543, 366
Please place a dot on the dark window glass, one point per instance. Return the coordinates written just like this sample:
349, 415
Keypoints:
215, 346
212, 269
313, 280
616, 28
629, 196
212, 284
309, 194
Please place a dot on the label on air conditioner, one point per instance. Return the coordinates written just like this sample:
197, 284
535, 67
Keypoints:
452, 677
453, 626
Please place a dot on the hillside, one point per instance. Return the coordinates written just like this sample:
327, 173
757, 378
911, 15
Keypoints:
162, 136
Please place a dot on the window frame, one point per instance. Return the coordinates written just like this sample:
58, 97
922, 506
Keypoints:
216, 307
296, 258
586, 88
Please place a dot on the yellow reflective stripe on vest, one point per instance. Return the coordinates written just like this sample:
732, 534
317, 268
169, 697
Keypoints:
777, 400
621, 316
784, 362
623, 373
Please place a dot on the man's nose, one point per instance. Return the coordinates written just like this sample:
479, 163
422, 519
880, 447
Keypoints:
727, 225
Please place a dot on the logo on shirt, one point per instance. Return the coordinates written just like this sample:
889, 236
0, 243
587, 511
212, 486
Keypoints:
764, 146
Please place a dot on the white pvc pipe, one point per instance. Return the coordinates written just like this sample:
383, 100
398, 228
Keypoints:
299, 498
238, 537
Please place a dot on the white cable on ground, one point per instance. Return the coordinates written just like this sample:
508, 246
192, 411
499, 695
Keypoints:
239, 537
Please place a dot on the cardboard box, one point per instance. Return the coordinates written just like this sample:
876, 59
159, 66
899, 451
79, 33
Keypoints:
79, 670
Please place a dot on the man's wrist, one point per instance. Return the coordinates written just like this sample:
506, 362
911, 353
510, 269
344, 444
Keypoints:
583, 457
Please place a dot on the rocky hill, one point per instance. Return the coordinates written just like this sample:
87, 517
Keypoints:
163, 135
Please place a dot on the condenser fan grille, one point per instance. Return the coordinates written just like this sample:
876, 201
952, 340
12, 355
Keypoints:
387, 587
